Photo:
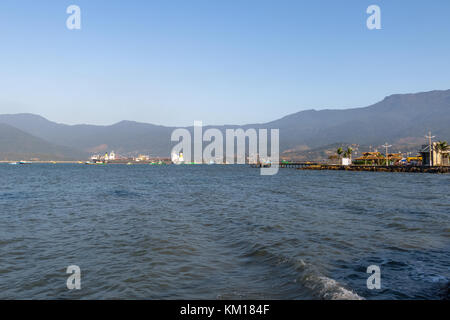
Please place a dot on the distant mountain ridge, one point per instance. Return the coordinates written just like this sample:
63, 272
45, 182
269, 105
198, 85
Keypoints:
399, 119
16, 144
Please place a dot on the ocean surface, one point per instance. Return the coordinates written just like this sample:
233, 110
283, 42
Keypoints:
221, 232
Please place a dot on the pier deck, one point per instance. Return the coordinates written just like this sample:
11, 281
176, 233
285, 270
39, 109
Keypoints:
295, 165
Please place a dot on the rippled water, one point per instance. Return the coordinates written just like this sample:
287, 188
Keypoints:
221, 232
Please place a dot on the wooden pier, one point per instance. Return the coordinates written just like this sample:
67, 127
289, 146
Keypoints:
294, 165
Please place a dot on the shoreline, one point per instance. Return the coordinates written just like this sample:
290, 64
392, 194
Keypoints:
297, 166
78, 162
43, 161
411, 169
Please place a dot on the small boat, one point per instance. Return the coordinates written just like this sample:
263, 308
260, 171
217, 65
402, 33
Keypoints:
93, 163
24, 162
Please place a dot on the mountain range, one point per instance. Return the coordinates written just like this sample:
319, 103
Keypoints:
16, 144
400, 119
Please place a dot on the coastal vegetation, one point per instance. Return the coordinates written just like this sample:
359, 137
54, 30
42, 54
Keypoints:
348, 153
339, 152
443, 147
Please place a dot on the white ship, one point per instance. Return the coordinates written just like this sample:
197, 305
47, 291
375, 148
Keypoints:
177, 159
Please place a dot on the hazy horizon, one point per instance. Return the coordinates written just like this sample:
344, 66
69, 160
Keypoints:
209, 124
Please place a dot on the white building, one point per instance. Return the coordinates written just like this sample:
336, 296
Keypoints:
346, 161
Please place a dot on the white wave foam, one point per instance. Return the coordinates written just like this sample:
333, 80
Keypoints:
324, 287
329, 289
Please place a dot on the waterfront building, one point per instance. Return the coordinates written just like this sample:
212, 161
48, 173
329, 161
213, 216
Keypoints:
371, 158
142, 157
346, 161
415, 161
395, 158
377, 158
438, 157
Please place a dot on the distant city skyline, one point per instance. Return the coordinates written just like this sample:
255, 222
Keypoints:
222, 62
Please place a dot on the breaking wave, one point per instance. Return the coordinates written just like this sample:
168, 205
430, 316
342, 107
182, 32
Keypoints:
305, 275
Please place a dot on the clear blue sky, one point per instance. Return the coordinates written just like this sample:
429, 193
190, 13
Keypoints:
223, 61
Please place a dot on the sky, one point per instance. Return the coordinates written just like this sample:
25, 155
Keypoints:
171, 62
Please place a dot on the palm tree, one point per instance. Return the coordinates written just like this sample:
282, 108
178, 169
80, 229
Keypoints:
339, 152
348, 153
443, 147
